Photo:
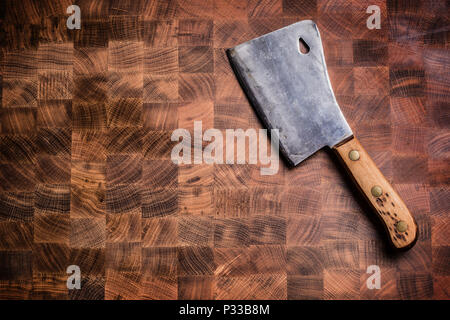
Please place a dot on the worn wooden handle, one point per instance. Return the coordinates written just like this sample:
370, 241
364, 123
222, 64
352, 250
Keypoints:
387, 204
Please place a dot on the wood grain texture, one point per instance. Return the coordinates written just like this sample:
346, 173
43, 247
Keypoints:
86, 178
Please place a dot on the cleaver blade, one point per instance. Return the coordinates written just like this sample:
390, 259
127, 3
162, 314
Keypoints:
284, 75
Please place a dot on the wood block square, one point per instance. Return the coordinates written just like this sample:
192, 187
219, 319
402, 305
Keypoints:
126, 140
88, 174
89, 145
16, 265
52, 169
230, 202
51, 228
231, 233
92, 288
89, 116
195, 32
160, 34
341, 254
264, 287
50, 286
305, 287
376, 136
195, 231
335, 19
338, 53
194, 87
409, 140
439, 201
196, 288
123, 169
228, 90
438, 144
18, 148
367, 109
159, 232
161, 88
20, 92
160, 9
192, 175
125, 56
224, 9
341, 284
338, 225
311, 230
161, 61
157, 144
159, 202
268, 230
408, 169
441, 261
302, 8
195, 261
405, 83
371, 81
90, 61
93, 33
125, 85
305, 260
123, 227
16, 235
409, 111
17, 206
159, 173
198, 59
405, 56
414, 286
123, 199
342, 80
196, 111
308, 201
195, 8
16, 289
440, 233
19, 64
419, 259
54, 113
52, 199
231, 175
160, 261
234, 116
369, 53
160, 116
88, 233
90, 261
122, 285
124, 257
195, 201
266, 200
90, 89
123, 28
264, 8
54, 141
229, 33
18, 121
439, 173
55, 57
158, 288
17, 177
50, 257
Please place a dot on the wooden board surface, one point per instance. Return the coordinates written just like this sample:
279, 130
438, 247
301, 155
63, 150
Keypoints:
86, 177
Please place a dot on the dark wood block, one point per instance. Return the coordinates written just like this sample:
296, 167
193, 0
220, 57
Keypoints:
51, 258
196, 288
123, 169
51, 228
304, 287
160, 232
17, 206
196, 261
159, 202
123, 256
198, 231
231, 233
123, 199
88, 233
264, 287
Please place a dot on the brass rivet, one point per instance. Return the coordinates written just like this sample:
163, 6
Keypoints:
376, 191
353, 155
401, 226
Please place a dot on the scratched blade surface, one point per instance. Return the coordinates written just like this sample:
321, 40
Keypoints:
291, 91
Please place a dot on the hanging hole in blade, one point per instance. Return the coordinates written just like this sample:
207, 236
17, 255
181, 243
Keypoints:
303, 46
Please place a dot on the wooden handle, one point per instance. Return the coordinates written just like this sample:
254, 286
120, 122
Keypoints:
387, 204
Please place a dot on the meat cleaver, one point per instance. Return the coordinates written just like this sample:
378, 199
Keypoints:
285, 78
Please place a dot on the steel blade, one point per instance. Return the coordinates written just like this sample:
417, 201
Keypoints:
291, 91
